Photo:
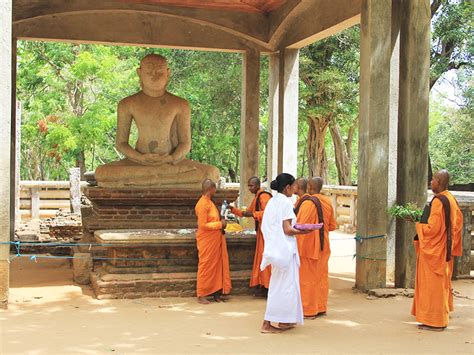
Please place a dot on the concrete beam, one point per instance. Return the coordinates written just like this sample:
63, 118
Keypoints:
249, 126
313, 20
372, 218
249, 26
131, 28
5, 162
412, 170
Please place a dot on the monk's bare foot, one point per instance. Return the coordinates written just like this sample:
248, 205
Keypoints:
428, 327
321, 314
267, 328
203, 300
225, 298
285, 326
217, 299
310, 317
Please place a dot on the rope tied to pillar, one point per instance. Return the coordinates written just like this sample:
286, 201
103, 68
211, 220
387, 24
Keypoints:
360, 238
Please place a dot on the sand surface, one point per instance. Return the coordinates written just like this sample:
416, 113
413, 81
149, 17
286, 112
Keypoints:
49, 314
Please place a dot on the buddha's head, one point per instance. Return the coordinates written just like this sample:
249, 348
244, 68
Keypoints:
154, 72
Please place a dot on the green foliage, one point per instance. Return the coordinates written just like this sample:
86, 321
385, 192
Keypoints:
410, 212
451, 143
452, 37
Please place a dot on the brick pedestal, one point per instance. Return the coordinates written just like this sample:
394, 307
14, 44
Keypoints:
145, 208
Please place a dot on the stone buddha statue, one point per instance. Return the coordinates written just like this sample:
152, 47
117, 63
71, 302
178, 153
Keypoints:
164, 136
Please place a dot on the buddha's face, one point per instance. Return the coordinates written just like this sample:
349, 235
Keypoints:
154, 73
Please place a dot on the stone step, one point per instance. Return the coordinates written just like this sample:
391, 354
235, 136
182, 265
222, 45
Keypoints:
118, 286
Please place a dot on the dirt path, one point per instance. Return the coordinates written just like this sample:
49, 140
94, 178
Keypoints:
49, 314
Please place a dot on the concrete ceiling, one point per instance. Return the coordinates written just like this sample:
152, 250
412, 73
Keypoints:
223, 25
263, 6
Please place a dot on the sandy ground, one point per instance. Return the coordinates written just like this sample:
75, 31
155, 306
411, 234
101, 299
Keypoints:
49, 314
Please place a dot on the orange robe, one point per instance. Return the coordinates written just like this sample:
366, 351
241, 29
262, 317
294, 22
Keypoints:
314, 276
433, 294
258, 277
213, 267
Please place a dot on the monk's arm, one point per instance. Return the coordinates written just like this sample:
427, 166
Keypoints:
435, 222
183, 123
202, 214
124, 122
237, 211
289, 230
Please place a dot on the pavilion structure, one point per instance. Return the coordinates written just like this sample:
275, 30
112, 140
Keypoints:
394, 92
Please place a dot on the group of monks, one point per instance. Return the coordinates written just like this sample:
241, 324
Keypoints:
311, 207
438, 240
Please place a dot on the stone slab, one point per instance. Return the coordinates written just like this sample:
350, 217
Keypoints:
118, 286
392, 292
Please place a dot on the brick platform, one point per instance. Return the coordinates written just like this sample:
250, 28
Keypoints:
162, 263
144, 208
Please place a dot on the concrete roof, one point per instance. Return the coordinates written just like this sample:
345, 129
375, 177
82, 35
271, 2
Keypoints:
224, 25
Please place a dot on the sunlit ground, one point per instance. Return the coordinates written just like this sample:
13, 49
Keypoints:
49, 314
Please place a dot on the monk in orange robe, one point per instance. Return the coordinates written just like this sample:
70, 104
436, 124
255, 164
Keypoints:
436, 244
213, 276
314, 249
258, 279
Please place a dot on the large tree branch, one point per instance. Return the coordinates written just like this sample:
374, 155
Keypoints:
435, 4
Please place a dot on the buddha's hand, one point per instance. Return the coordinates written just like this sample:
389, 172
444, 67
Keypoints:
155, 159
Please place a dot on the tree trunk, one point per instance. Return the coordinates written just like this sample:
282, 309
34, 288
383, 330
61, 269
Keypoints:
81, 163
316, 152
343, 153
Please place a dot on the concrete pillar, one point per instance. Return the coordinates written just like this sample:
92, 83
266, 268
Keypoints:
249, 126
392, 146
375, 56
288, 111
412, 127
5, 163
283, 113
273, 94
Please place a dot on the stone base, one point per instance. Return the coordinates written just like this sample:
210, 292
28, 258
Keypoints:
113, 286
162, 263
144, 208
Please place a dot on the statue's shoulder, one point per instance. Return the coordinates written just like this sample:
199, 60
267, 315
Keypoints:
130, 99
177, 100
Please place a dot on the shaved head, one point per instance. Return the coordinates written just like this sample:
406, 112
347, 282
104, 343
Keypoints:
207, 185
302, 184
315, 185
254, 180
440, 181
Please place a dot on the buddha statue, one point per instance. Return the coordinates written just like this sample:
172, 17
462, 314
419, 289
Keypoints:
164, 137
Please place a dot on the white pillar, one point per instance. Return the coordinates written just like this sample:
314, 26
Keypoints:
288, 111
283, 78
273, 94
249, 127
5, 138
392, 145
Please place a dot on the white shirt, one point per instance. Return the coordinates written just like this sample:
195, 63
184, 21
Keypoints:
279, 248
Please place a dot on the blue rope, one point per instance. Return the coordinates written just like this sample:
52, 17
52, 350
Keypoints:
361, 239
